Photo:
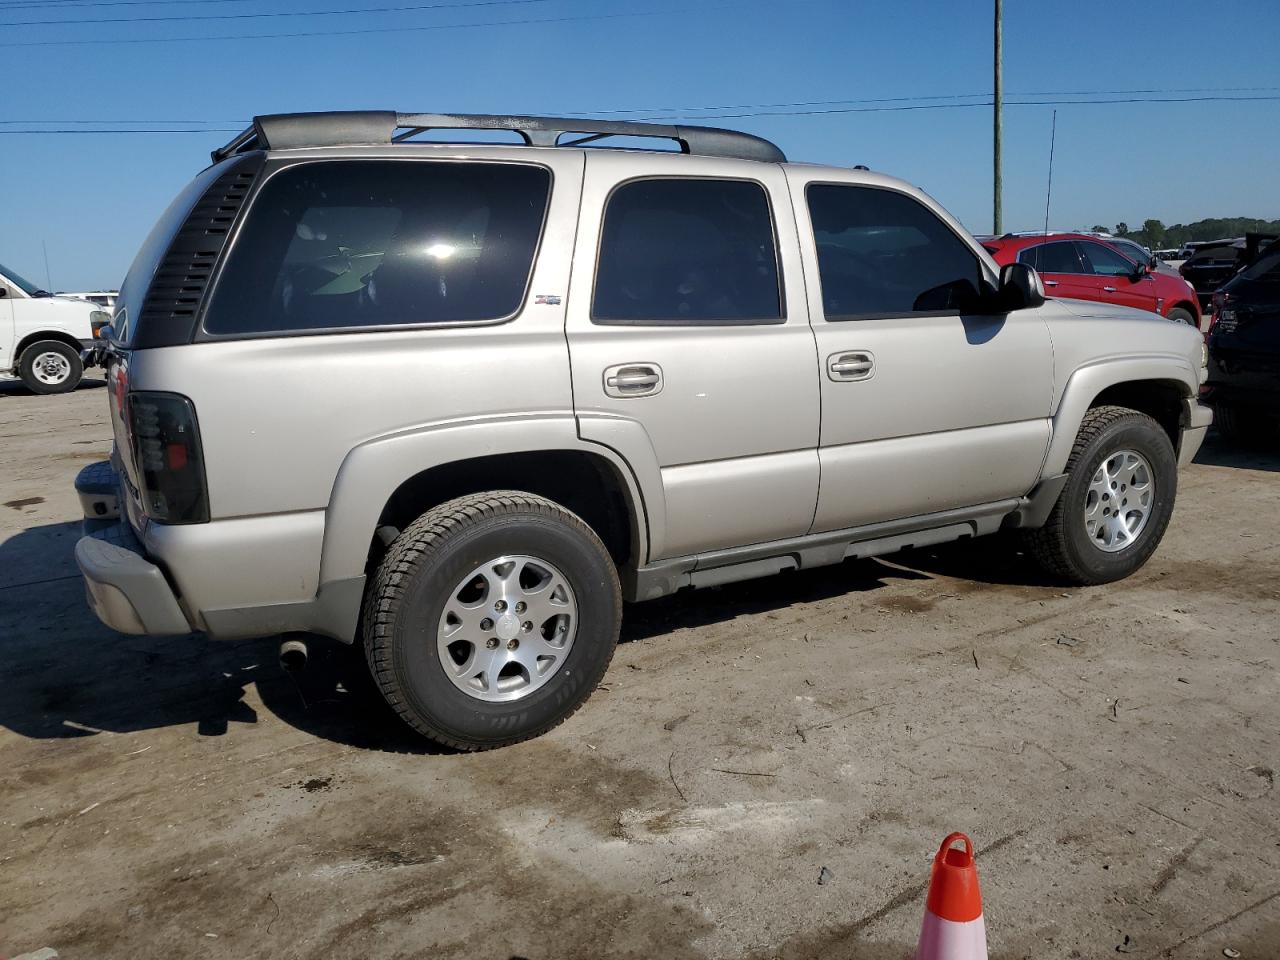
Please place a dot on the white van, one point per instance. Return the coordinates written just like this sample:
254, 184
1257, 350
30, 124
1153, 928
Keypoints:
42, 335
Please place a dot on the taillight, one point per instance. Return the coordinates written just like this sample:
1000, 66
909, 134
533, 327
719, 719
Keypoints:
166, 451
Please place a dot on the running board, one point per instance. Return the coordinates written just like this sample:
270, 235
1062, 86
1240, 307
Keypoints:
816, 550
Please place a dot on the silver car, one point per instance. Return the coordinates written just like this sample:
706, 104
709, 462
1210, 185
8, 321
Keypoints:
456, 402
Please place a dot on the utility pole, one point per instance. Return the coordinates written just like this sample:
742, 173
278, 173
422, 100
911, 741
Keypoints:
997, 215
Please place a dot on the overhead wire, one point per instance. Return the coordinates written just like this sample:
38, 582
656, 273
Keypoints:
571, 18
273, 13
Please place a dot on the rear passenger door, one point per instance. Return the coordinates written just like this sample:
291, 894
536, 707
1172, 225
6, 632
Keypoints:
690, 345
928, 403
1063, 271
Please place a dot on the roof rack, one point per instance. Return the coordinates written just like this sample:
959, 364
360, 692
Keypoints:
284, 131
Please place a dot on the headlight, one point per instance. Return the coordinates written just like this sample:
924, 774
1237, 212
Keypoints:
1204, 355
97, 320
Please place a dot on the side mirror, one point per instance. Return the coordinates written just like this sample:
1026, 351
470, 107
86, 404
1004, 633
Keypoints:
4, 292
1020, 287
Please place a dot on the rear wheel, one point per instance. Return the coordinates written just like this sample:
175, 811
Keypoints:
491, 619
1245, 426
50, 366
1182, 315
1122, 477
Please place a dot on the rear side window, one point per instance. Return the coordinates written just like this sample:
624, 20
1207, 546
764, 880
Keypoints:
687, 251
1058, 257
883, 254
372, 243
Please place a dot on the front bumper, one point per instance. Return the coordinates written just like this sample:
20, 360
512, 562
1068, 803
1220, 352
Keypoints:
1196, 418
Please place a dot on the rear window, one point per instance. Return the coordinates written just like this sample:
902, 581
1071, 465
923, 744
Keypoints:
372, 243
1265, 269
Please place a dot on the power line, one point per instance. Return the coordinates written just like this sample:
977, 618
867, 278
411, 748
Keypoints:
367, 30
951, 106
723, 116
276, 13
61, 4
683, 110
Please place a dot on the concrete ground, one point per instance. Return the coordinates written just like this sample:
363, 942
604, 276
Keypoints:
1111, 750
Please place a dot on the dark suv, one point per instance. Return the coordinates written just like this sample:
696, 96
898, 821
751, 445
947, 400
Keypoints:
1244, 351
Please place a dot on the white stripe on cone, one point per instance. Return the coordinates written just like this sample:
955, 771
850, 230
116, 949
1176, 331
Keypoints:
949, 940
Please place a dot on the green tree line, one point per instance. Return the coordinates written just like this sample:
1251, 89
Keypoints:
1157, 236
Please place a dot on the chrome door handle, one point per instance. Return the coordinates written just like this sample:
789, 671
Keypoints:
633, 380
1109, 289
851, 365
1050, 283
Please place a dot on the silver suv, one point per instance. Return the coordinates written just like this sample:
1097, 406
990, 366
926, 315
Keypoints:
457, 402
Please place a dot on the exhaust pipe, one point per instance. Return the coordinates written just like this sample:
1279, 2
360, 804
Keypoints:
293, 655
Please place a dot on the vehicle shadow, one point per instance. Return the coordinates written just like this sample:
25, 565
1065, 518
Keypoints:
1218, 451
16, 388
66, 675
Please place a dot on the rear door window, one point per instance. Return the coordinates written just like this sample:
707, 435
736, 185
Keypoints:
687, 251
1060, 256
379, 243
883, 254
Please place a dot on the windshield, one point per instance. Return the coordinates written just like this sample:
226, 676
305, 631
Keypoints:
26, 286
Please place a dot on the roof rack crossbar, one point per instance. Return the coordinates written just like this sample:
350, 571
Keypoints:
365, 127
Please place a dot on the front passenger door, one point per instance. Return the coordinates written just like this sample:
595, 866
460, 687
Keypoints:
928, 403
1117, 277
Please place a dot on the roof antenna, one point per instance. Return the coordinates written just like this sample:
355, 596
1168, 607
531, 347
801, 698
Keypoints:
1053, 135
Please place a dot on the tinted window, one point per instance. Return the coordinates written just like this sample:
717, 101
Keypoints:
374, 243
1058, 257
881, 253
1105, 262
1265, 268
687, 251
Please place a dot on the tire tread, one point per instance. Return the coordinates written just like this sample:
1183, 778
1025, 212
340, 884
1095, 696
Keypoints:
417, 543
1048, 544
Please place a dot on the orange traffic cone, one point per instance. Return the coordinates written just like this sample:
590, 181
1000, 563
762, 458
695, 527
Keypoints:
953, 927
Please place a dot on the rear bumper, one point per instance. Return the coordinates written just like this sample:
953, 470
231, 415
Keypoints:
125, 590
1196, 418
231, 578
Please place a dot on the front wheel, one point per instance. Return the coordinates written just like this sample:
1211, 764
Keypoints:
491, 619
1122, 478
1181, 315
50, 366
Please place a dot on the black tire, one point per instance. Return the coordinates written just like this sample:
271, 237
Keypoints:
1181, 315
1062, 546
420, 573
1248, 427
38, 351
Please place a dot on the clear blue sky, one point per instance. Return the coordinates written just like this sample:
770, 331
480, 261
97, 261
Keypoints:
93, 197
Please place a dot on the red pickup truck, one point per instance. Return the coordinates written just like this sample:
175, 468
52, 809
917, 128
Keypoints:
1077, 266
